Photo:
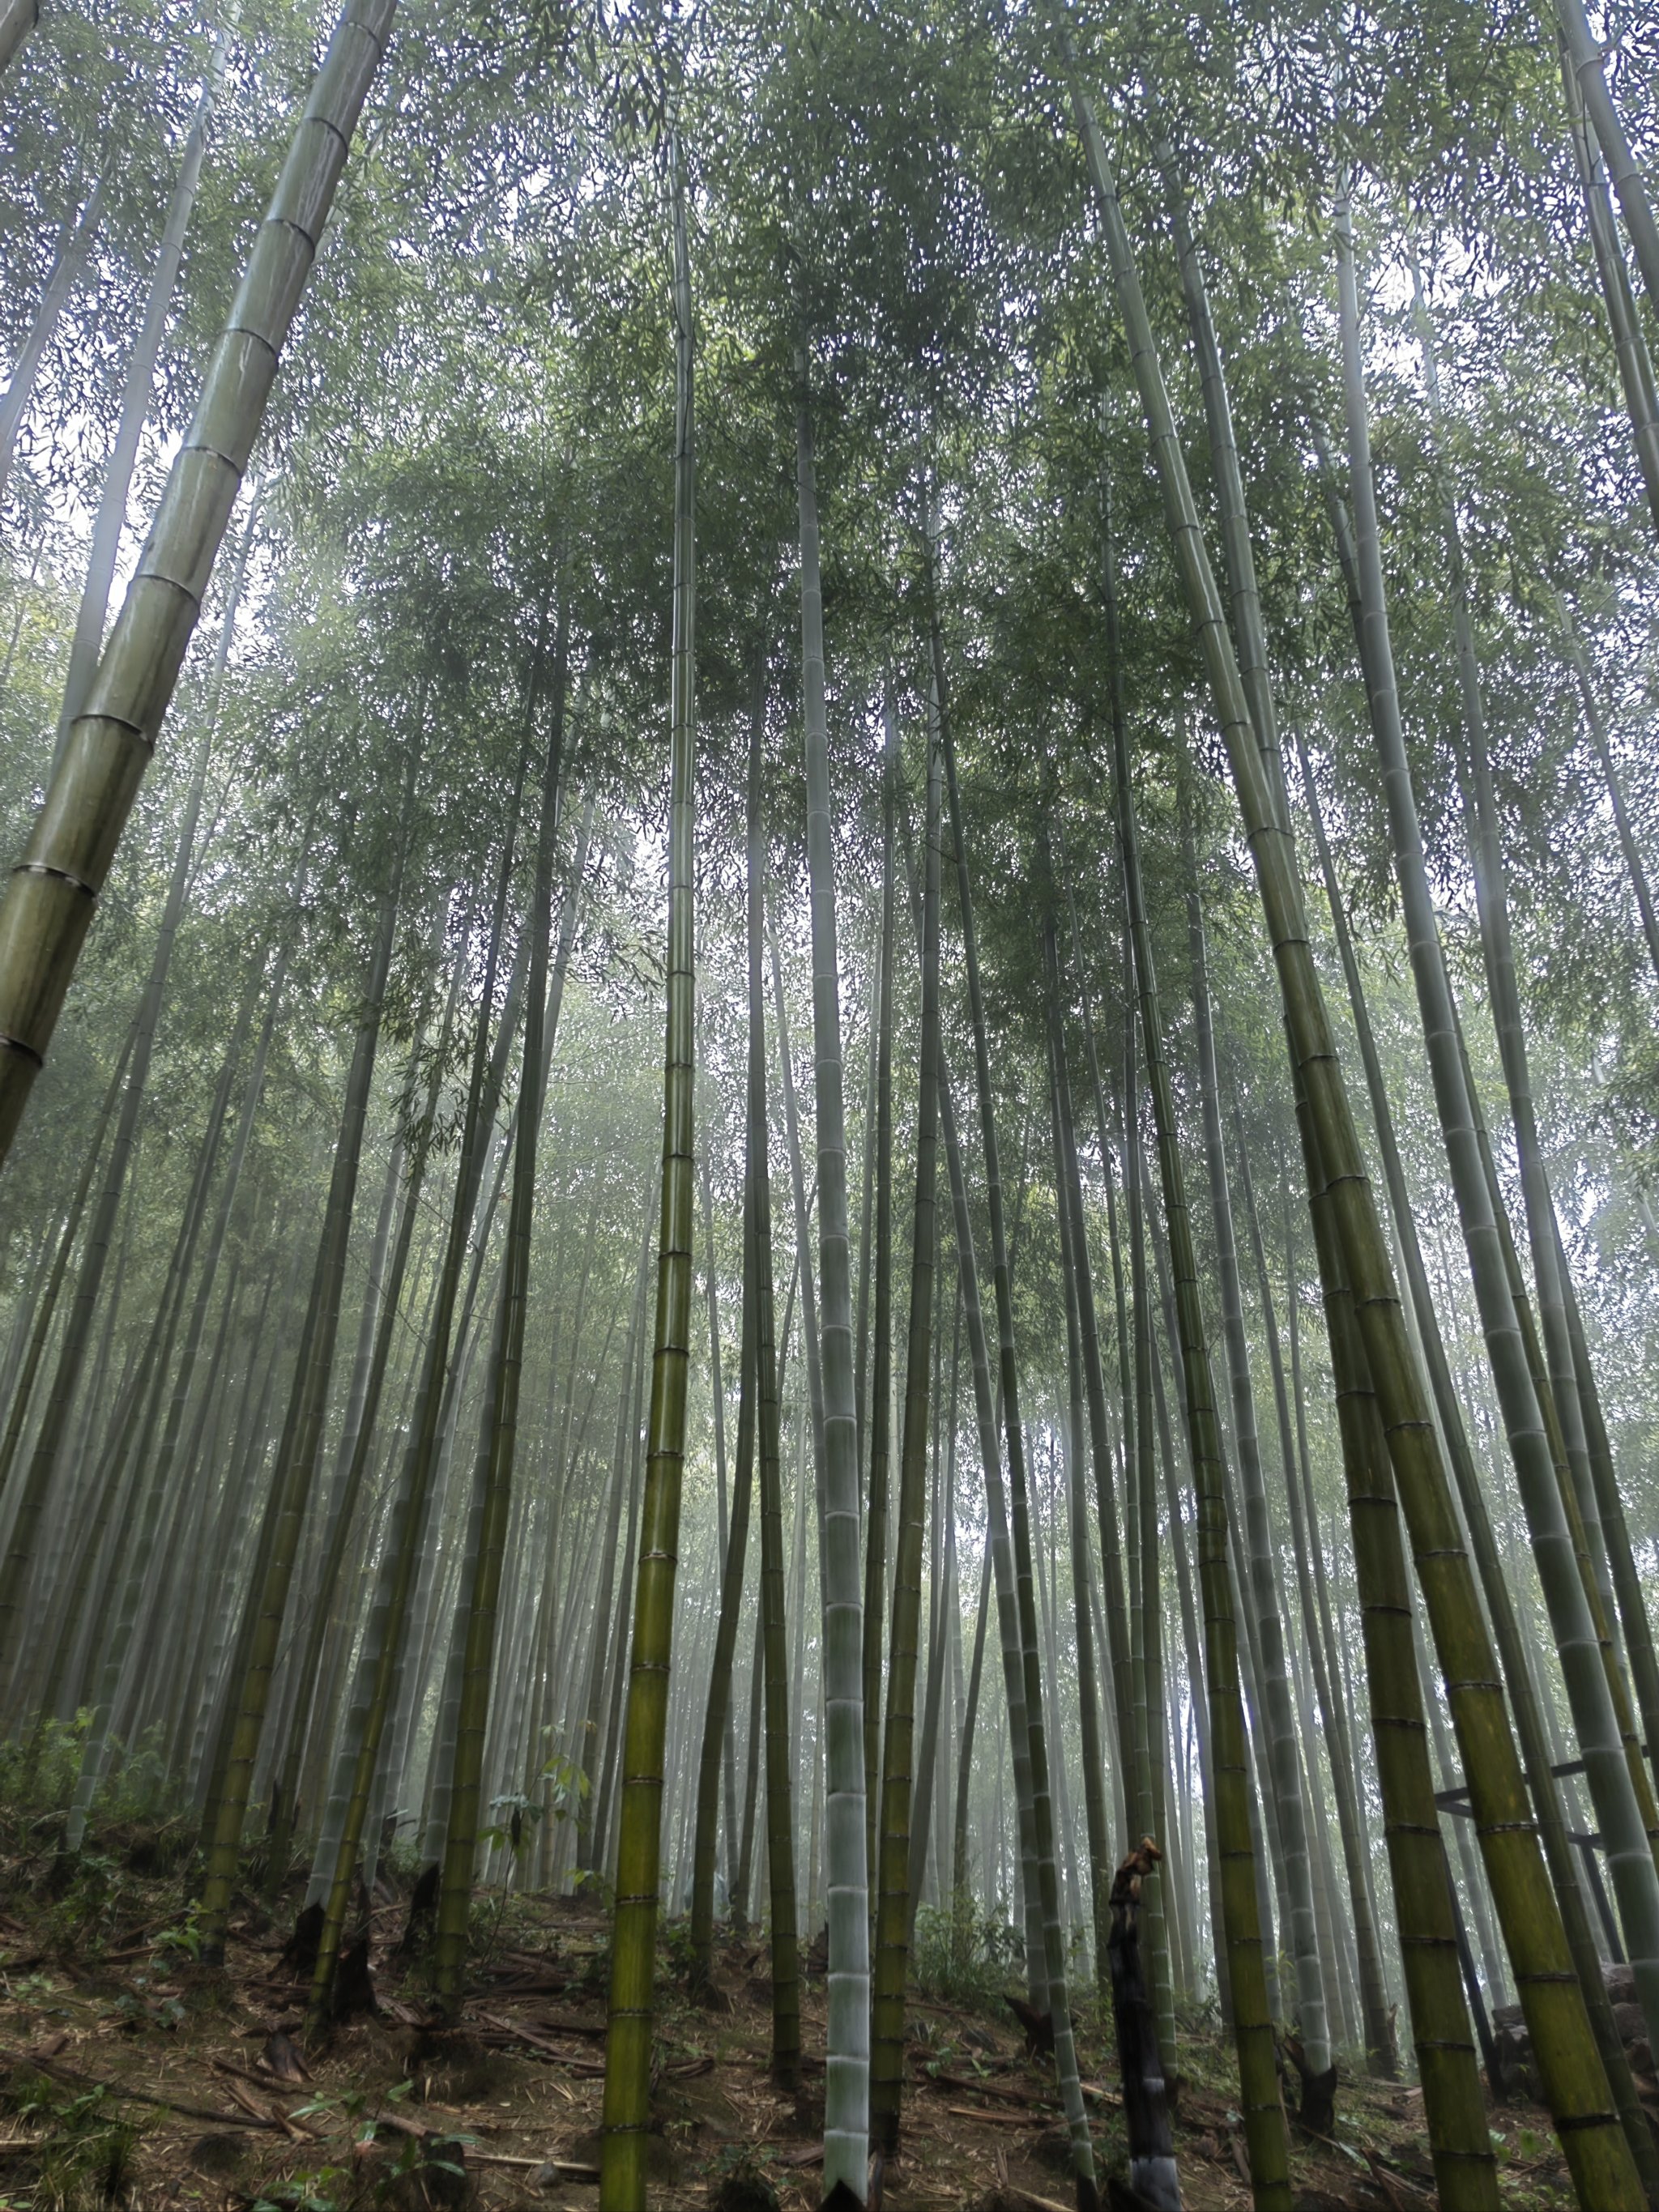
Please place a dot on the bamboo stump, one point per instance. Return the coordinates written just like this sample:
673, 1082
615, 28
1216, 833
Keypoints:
1154, 2185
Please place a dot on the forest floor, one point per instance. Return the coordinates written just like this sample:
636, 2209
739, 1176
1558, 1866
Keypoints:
130, 2075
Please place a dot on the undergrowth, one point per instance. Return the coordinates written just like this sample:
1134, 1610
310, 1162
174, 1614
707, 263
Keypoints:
966, 1954
84, 2157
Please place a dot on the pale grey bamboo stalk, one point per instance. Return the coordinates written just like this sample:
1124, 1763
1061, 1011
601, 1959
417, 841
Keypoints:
847, 2092
112, 516
17, 19
69, 259
1589, 59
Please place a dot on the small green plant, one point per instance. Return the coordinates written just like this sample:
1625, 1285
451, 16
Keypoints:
351, 2103
80, 1917
419, 2159
741, 2179
307, 2193
514, 1814
86, 2149
136, 2009
965, 1953
594, 1974
674, 1941
28, 1988
184, 1939
571, 1788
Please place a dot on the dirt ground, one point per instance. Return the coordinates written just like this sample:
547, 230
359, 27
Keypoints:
128, 2074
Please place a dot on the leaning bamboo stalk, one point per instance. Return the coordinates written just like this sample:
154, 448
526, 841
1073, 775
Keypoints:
1589, 59
1115, 1653
1495, 1581
1416, 1863
49, 904
1145, 1612
1491, 902
1607, 1772
1630, 346
1047, 1901
46, 1303
1573, 2077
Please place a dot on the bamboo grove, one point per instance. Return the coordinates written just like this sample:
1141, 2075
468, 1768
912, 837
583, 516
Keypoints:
828, 1090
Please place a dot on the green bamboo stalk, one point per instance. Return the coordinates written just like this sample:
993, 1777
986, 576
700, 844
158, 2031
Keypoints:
932, 1793
49, 1454
960, 1883
893, 1909
1245, 600
1193, 1647
1491, 902
1042, 1895
998, 1545
1460, 2145
1373, 1989
1632, 1603
158, 1492
1599, 1618
639, 1851
410, 1173
50, 900
727, 1791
